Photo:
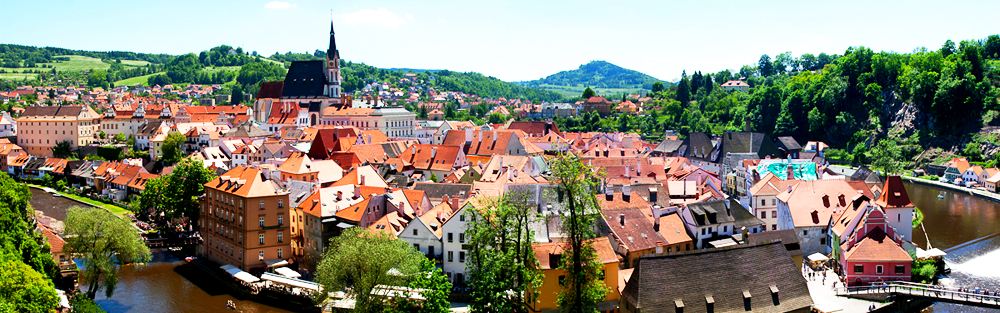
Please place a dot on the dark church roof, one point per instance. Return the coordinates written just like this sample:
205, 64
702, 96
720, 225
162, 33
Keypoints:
332, 52
741, 278
270, 90
305, 79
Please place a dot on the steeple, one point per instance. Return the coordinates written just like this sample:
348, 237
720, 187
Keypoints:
332, 52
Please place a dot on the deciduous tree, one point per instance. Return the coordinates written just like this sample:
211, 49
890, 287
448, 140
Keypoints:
582, 288
172, 149
105, 241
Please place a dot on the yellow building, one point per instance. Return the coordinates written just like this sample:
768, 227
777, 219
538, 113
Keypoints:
549, 257
41, 127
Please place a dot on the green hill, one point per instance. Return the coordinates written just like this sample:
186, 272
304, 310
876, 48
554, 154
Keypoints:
603, 77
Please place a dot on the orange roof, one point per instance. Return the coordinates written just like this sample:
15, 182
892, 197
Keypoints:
354, 212
894, 194
371, 153
602, 244
961, 164
877, 246
812, 203
432, 157
672, 229
244, 182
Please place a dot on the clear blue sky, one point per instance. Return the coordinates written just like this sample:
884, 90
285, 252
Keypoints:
511, 40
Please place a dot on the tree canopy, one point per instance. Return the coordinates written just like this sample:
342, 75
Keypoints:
575, 181
172, 148
177, 194
104, 241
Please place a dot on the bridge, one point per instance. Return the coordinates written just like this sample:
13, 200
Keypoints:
899, 289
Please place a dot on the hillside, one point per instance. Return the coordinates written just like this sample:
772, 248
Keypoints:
603, 77
468, 82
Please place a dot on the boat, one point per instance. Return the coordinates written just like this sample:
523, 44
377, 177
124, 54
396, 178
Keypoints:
190, 258
941, 195
175, 249
57, 195
230, 305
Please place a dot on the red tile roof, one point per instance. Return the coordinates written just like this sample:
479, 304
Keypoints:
894, 194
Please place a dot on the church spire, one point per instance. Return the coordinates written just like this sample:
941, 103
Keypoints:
332, 53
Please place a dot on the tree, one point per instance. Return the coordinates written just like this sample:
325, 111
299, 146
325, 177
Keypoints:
496, 118
684, 92
588, 93
104, 241
22, 289
97, 78
886, 156
973, 151
63, 149
82, 304
176, 195
236, 97
17, 235
171, 149
360, 259
423, 112
657, 87
449, 111
765, 66
576, 182
436, 286
500, 254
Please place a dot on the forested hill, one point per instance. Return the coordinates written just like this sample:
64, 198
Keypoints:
356, 74
598, 75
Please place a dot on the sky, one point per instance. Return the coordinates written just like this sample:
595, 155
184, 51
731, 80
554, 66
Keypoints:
510, 40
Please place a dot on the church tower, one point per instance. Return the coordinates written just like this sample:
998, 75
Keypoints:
333, 67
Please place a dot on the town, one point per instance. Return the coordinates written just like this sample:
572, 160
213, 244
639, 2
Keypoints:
308, 196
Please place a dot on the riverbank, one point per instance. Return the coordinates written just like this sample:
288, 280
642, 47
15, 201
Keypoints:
117, 210
972, 191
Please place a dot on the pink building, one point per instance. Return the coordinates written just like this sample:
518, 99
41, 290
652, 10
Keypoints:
873, 254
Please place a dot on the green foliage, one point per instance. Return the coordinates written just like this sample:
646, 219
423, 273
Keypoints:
587, 93
598, 74
923, 271
355, 75
82, 304
582, 288
434, 177
500, 254
104, 241
22, 289
657, 87
886, 156
98, 78
973, 151
918, 217
360, 259
17, 235
436, 286
172, 149
63, 149
177, 194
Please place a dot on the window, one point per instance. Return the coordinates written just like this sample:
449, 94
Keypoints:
260, 255
449, 237
461, 237
763, 202
774, 214
416, 246
451, 256
763, 214
822, 241
260, 238
900, 269
774, 201
261, 204
281, 238
805, 233
461, 256
261, 221
281, 220
725, 229
414, 232
241, 238
279, 253
281, 203
774, 226
858, 269
461, 218
878, 269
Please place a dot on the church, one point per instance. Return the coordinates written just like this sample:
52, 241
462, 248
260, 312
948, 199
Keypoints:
311, 95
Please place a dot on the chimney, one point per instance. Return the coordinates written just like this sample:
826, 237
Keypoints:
743, 230
789, 188
659, 247
626, 193
445, 199
791, 173
746, 124
454, 204
362, 177
653, 194
340, 195
434, 151
826, 201
621, 219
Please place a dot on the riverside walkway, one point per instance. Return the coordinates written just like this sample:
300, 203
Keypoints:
964, 296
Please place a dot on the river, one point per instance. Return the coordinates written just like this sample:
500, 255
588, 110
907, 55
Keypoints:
159, 286
965, 226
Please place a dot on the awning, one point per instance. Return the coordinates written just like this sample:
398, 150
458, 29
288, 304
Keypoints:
290, 281
275, 263
288, 272
818, 257
239, 274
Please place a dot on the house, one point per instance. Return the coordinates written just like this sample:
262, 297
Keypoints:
740, 278
764, 198
955, 169
789, 147
735, 85
453, 247
425, 233
874, 253
971, 175
808, 207
713, 223
896, 206
630, 231
985, 175
786, 237
40, 128
550, 258
992, 183
435, 159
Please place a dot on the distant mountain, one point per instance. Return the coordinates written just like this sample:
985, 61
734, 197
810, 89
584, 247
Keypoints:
602, 76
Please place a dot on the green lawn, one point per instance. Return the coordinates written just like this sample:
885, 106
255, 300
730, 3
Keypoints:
117, 210
17, 76
217, 69
135, 80
77, 63
134, 63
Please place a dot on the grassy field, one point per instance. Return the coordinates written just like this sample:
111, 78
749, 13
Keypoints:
134, 63
135, 80
576, 91
117, 210
17, 76
217, 69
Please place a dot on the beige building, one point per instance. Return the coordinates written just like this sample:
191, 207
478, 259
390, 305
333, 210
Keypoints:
41, 127
245, 219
